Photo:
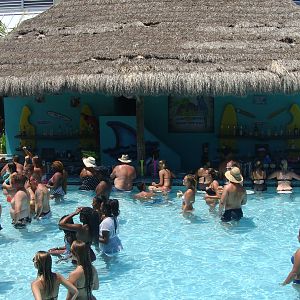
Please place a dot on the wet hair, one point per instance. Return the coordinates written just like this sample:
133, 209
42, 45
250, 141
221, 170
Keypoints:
57, 166
213, 173
16, 158
141, 186
91, 218
36, 176
29, 167
12, 167
43, 263
111, 208
99, 200
82, 253
19, 178
192, 182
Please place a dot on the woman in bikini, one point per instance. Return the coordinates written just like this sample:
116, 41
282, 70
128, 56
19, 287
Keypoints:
46, 286
85, 276
188, 198
294, 275
213, 191
165, 178
284, 177
259, 177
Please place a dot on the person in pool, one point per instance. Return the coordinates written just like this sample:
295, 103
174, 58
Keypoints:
88, 231
143, 194
110, 243
284, 177
46, 286
213, 190
259, 177
85, 276
188, 197
165, 178
123, 174
233, 196
294, 275
58, 182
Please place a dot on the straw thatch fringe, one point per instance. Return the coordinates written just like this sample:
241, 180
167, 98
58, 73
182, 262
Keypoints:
155, 47
263, 82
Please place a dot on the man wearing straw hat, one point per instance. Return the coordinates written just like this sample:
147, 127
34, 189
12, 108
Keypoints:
233, 196
123, 174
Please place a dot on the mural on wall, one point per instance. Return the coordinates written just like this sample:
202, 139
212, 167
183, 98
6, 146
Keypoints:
27, 130
191, 114
125, 142
88, 129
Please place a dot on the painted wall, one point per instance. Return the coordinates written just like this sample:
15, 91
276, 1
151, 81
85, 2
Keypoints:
187, 145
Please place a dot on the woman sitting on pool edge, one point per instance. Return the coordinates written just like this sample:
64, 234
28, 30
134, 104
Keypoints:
165, 178
294, 275
46, 286
284, 177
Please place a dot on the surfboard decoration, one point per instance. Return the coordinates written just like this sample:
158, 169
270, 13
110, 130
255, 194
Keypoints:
88, 128
27, 130
58, 115
227, 127
293, 129
284, 192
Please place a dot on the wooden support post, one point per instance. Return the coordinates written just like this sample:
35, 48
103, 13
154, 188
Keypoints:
140, 141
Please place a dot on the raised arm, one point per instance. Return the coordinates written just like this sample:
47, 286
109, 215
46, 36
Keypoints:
72, 227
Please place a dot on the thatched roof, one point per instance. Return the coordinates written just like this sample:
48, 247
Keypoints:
151, 47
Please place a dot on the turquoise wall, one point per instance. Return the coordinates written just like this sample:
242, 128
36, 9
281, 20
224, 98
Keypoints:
187, 145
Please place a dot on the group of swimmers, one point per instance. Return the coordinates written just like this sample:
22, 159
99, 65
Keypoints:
29, 193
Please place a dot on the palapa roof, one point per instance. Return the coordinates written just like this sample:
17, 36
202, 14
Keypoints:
153, 47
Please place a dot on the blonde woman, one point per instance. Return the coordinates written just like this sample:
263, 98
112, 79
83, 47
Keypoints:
85, 276
165, 178
46, 286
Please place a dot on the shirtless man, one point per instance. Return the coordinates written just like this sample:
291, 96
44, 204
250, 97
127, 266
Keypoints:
123, 174
20, 208
165, 178
284, 177
19, 166
41, 197
233, 196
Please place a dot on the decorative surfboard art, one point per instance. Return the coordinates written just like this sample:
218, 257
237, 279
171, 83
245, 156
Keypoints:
26, 129
227, 126
293, 129
59, 116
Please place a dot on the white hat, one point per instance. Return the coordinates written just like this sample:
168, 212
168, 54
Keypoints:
89, 162
234, 175
124, 159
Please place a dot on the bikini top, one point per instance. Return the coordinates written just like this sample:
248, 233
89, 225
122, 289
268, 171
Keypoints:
211, 192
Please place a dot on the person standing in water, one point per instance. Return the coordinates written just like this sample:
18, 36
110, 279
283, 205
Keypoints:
123, 174
233, 196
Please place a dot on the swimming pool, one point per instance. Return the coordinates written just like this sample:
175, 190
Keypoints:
167, 256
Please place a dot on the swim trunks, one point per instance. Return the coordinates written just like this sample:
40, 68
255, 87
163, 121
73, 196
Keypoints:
21, 223
45, 215
232, 214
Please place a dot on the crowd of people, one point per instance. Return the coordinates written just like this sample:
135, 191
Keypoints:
29, 192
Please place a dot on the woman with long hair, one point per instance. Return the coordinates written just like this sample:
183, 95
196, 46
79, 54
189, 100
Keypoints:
46, 286
165, 178
88, 231
188, 197
213, 191
110, 243
85, 276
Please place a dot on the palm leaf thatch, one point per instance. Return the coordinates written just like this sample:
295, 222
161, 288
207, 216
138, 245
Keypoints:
152, 47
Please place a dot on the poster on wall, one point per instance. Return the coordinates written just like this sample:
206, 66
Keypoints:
191, 114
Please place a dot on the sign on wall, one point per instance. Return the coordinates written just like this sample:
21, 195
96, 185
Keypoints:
191, 114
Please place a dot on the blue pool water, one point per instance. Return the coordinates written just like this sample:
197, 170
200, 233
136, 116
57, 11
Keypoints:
167, 256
